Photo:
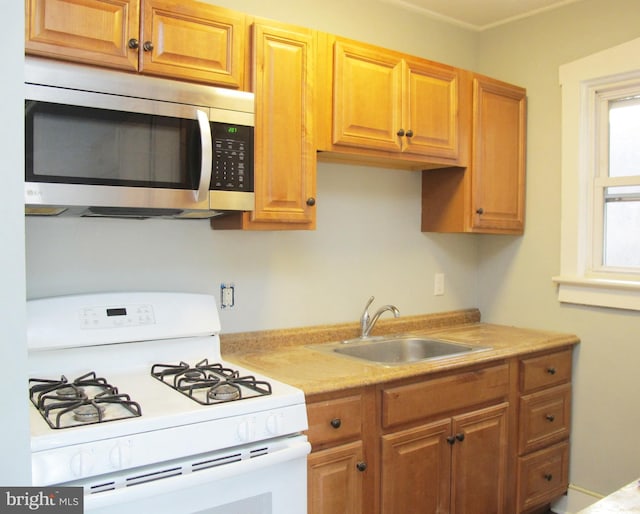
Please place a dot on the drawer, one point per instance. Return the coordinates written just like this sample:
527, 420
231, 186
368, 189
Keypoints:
544, 371
335, 420
432, 397
543, 476
544, 417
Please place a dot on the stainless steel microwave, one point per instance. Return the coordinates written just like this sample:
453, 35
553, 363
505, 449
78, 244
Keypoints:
109, 143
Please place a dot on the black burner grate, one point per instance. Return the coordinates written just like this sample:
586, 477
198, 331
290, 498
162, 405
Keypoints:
85, 401
209, 384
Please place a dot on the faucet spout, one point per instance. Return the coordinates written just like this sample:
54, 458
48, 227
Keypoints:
367, 322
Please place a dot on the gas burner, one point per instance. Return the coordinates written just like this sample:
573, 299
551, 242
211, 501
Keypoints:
224, 392
88, 399
209, 383
70, 392
88, 413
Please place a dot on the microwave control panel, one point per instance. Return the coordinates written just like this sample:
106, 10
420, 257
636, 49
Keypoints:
232, 157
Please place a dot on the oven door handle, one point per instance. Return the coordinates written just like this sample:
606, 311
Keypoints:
207, 156
298, 448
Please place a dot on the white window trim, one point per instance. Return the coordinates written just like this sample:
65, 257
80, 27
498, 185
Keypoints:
579, 81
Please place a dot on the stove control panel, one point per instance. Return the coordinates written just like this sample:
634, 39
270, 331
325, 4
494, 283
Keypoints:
116, 316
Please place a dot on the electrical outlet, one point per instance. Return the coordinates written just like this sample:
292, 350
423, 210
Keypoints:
438, 284
227, 295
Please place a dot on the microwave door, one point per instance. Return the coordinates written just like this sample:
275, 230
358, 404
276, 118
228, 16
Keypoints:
158, 154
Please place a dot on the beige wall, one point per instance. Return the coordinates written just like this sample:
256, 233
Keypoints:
515, 275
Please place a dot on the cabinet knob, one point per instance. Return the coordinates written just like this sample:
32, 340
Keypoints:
548, 477
311, 201
551, 371
409, 133
133, 44
362, 466
400, 132
147, 46
480, 210
336, 422
451, 439
460, 437
550, 418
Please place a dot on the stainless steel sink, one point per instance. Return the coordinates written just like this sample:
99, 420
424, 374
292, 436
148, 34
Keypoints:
398, 349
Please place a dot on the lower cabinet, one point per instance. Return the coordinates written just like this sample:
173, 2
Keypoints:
339, 470
453, 465
334, 485
543, 428
490, 439
453, 455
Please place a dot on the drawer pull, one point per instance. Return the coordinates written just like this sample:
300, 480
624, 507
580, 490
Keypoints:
550, 418
548, 477
460, 437
551, 371
336, 422
451, 439
362, 466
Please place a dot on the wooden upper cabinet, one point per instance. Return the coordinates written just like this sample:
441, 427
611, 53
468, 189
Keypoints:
285, 158
498, 156
488, 196
432, 100
383, 101
367, 88
91, 31
193, 41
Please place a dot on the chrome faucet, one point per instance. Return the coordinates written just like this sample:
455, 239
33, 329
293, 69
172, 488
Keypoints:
367, 322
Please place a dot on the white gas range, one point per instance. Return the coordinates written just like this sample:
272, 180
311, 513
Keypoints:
131, 400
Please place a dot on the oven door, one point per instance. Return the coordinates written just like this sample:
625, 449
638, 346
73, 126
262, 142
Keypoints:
273, 483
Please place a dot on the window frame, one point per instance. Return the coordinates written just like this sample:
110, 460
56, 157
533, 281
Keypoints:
585, 84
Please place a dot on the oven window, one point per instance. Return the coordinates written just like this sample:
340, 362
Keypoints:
83, 145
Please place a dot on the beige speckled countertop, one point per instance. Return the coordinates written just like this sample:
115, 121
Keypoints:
626, 499
284, 354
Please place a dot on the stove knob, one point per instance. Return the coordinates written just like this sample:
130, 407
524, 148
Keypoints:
247, 430
81, 463
120, 455
274, 424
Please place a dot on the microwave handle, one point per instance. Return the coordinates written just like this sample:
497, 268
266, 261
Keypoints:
207, 156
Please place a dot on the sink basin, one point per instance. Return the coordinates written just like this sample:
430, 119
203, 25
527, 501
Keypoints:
399, 350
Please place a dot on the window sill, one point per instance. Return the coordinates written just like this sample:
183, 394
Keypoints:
616, 294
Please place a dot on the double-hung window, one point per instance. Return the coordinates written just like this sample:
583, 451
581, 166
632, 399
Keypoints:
616, 185
600, 246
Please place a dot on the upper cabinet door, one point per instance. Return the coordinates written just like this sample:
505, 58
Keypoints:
432, 95
498, 155
193, 41
285, 157
367, 85
91, 31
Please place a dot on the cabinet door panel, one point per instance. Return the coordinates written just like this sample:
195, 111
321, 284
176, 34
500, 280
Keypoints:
334, 482
432, 107
480, 461
416, 469
193, 41
367, 109
90, 31
285, 153
498, 156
